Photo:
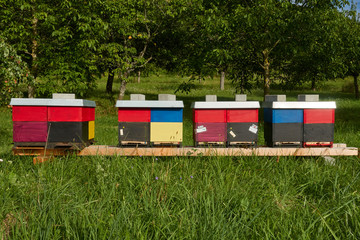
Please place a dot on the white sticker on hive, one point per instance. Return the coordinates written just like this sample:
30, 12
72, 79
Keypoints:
201, 129
121, 132
253, 128
232, 134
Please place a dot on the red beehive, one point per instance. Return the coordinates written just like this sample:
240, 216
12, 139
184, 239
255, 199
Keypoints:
53, 122
319, 121
225, 122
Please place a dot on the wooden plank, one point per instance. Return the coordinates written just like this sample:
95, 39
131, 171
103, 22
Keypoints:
159, 143
210, 144
207, 151
317, 144
241, 143
103, 150
41, 151
339, 145
133, 142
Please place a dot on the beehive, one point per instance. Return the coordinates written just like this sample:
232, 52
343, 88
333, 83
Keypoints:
319, 121
225, 122
156, 122
57, 122
298, 122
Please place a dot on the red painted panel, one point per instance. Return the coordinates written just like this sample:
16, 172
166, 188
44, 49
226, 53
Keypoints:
88, 114
30, 131
209, 115
134, 115
29, 113
65, 114
210, 132
319, 116
329, 144
242, 115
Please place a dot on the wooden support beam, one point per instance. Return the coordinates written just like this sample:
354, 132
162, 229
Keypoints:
103, 150
192, 151
41, 151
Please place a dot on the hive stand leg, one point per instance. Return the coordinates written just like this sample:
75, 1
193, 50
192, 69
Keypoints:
42, 159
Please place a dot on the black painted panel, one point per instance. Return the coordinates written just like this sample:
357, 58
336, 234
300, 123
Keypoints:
68, 132
134, 131
239, 132
283, 132
319, 132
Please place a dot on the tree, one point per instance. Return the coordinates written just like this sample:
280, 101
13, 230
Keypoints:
264, 28
55, 39
132, 26
315, 47
350, 51
275, 31
219, 34
19, 23
13, 71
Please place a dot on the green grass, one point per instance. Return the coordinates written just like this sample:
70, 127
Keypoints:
226, 198
182, 197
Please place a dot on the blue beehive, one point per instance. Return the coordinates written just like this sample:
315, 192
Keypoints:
283, 122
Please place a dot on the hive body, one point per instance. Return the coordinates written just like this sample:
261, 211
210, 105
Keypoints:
226, 123
53, 122
145, 123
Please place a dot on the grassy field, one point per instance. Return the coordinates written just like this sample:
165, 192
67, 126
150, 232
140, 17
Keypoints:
183, 198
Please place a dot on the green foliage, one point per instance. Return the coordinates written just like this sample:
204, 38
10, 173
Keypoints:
130, 27
186, 87
55, 40
67, 45
13, 71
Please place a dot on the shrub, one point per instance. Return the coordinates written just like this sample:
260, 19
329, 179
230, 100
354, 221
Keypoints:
13, 71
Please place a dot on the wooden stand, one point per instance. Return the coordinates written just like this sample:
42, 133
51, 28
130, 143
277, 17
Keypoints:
103, 150
337, 150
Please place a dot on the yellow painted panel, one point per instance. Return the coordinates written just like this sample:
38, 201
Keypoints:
91, 130
166, 131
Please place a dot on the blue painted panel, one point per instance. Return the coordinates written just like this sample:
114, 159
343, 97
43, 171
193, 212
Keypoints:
287, 115
268, 115
166, 115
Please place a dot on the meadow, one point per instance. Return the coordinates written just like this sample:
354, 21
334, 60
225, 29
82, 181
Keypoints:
183, 197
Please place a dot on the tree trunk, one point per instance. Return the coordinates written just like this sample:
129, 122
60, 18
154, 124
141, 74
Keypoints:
356, 86
313, 84
222, 80
266, 68
242, 83
110, 81
31, 91
34, 49
123, 86
138, 77
122, 89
